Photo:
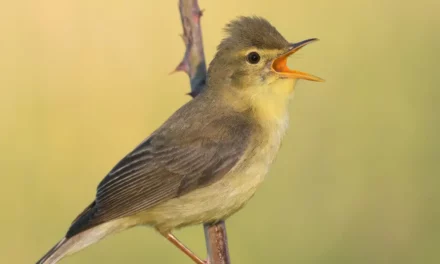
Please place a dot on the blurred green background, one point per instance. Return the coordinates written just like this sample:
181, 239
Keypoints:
357, 180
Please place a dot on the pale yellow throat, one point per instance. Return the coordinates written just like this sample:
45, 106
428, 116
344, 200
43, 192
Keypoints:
270, 102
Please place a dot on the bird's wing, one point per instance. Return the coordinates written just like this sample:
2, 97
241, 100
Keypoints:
166, 166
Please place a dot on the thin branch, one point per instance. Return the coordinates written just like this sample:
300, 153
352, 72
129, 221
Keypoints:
217, 243
193, 63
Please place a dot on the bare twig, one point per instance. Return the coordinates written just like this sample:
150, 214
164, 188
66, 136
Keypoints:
193, 63
217, 243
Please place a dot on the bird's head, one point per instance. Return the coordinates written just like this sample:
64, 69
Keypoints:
254, 56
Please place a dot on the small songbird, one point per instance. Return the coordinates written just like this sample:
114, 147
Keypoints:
207, 160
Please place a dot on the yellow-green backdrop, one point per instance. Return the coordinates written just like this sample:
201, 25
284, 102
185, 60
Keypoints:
357, 180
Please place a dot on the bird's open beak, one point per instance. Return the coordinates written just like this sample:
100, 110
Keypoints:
279, 65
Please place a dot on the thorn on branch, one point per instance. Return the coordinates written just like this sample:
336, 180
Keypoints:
183, 66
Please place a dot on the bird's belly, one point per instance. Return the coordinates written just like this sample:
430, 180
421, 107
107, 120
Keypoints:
214, 202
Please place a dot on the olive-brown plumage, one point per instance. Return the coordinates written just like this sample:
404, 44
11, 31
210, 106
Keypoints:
191, 150
206, 161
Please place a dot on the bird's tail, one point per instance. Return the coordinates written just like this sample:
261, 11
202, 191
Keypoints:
55, 253
68, 246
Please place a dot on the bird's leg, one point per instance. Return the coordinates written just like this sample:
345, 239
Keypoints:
183, 248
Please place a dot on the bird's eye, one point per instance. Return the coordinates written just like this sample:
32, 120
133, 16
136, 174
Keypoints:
253, 57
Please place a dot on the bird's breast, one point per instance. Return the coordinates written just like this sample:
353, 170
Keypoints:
259, 156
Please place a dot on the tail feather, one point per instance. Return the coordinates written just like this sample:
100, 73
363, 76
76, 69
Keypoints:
55, 253
70, 245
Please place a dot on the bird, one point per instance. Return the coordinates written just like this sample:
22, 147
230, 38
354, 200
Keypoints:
205, 162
